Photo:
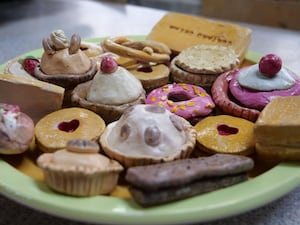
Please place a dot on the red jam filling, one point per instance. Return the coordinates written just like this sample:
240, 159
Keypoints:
68, 126
226, 130
146, 69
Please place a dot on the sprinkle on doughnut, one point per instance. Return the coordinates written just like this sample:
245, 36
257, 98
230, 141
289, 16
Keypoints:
185, 100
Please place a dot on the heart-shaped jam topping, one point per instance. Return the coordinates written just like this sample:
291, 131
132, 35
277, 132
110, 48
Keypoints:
224, 129
68, 126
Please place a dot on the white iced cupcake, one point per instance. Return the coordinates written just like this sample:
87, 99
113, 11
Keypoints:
111, 92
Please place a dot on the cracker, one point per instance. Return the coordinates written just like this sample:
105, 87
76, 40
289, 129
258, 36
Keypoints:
146, 198
185, 171
207, 59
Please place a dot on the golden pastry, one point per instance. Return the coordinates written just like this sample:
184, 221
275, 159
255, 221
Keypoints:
79, 169
54, 130
225, 134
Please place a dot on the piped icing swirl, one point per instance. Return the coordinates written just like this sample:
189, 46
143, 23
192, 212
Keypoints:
59, 39
8, 115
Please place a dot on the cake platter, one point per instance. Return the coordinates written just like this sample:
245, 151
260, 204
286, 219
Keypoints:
22, 181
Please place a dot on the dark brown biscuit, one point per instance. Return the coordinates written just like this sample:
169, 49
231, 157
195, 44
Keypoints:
148, 198
186, 171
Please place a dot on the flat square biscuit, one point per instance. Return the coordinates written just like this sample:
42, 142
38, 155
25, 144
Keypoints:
275, 152
279, 123
179, 31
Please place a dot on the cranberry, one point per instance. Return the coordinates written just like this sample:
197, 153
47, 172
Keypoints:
68, 126
224, 129
108, 64
270, 64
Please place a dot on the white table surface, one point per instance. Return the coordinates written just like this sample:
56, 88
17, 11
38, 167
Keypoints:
23, 24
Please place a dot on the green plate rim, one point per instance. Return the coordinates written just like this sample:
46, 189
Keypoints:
223, 203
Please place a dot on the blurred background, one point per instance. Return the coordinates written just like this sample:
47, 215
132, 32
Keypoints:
276, 13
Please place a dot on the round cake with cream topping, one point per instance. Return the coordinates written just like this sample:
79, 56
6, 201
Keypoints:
245, 92
147, 134
111, 92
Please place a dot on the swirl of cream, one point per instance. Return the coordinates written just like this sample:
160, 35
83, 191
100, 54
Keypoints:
59, 39
252, 78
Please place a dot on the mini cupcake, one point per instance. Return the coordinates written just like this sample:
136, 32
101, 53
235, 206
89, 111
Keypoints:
79, 169
148, 134
16, 130
111, 92
245, 92
63, 63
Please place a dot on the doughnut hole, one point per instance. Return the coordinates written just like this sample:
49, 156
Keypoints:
178, 96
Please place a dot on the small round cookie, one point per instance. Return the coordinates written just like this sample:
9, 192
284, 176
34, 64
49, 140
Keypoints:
225, 134
201, 64
151, 76
74, 171
54, 130
185, 100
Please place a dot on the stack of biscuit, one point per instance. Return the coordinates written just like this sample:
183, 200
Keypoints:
277, 129
202, 64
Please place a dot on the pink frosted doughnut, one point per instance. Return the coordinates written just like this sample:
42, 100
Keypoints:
185, 100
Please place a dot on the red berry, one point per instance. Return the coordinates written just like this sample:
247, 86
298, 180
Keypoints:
29, 64
270, 64
108, 64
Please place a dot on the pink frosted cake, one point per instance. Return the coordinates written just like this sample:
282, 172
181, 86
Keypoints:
245, 92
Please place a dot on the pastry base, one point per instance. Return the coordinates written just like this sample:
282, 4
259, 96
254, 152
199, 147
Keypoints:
108, 113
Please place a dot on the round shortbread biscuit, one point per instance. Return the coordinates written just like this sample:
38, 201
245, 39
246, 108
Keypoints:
207, 59
153, 76
225, 134
181, 76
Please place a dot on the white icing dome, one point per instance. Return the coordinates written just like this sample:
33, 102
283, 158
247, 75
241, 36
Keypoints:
147, 131
117, 88
252, 78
